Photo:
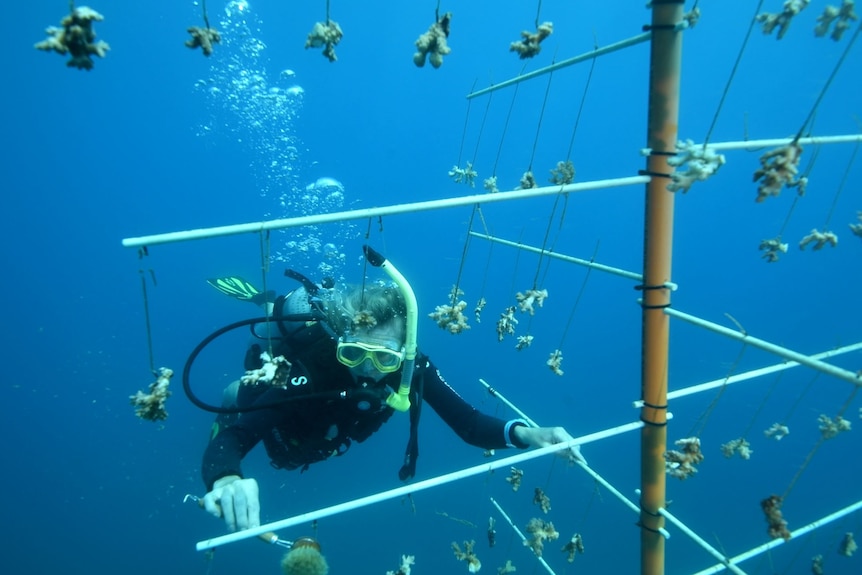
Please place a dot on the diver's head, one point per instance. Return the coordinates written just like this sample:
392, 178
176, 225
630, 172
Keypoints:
370, 323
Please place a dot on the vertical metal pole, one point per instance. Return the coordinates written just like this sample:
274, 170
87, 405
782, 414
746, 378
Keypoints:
665, 56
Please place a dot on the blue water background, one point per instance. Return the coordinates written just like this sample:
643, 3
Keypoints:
157, 138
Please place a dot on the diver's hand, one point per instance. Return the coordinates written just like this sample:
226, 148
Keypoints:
236, 500
545, 436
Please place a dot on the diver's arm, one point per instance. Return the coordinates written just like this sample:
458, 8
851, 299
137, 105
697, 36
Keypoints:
471, 425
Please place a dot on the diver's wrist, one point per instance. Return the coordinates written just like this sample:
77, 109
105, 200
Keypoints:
515, 436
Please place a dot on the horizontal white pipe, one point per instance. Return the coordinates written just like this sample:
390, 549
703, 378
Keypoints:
571, 259
725, 562
564, 63
846, 375
776, 142
776, 542
484, 198
521, 535
415, 487
751, 374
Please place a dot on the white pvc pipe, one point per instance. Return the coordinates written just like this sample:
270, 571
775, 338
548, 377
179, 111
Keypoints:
854, 378
581, 262
725, 562
776, 142
415, 487
521, 535
484, 198
750, 374
776, 542
564, 63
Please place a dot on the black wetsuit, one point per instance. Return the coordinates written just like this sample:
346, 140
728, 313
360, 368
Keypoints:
301, 432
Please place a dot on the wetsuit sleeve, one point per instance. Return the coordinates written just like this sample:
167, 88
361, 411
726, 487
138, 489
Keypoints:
228, 446
471, 425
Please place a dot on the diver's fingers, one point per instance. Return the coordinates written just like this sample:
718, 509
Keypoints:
228, 509
211, 504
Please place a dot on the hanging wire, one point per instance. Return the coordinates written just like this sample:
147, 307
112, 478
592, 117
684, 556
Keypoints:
817, 445
732, 72
147, 317
481, 128
841, 186
206, 20
834, 73
762, 405
265, 254
541, 116
506, 123
327, 12
464, 131
538, 13
455, 289
578, 298
700, 424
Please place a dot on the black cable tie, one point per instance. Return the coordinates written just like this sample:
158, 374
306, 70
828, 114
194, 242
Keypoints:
644, 510
642, 526
653, 174
653, 423
654, 306
662, 153
651, 406
660, 2
650, 27
642, 287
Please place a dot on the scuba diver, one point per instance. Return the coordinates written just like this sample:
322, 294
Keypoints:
342, 363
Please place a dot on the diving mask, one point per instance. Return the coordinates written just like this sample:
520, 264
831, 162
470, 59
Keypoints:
352, 353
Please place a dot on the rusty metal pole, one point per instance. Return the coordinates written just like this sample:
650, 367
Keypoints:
665, 57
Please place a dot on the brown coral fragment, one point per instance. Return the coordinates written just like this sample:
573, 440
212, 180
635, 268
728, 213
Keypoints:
327, 35
432, 44
777, 525
530, 43
77, 38
203, 38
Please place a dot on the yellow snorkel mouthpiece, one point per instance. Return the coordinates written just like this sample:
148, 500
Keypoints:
400, 400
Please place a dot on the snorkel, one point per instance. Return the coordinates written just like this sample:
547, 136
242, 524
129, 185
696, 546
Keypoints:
400, 400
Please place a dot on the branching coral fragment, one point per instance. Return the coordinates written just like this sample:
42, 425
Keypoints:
777, 431
563, 174
432, 44
778, 168
528, 181
781, 20
524, 341
515, 477
406, 562
541, 499
777, 525
848, 546
151, 406
772, 248
540, 532
464, 175
451, 316
819, 239
506, 324
507, 568
699, 164
573, 547
530, 43
203, 38
740, 446
326, 34
555, 362
468, 556
681, 464
840, 16
857, 227
817, 565
490, 184
77, 38
477, 311
829, 427
530, 297
274, 372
